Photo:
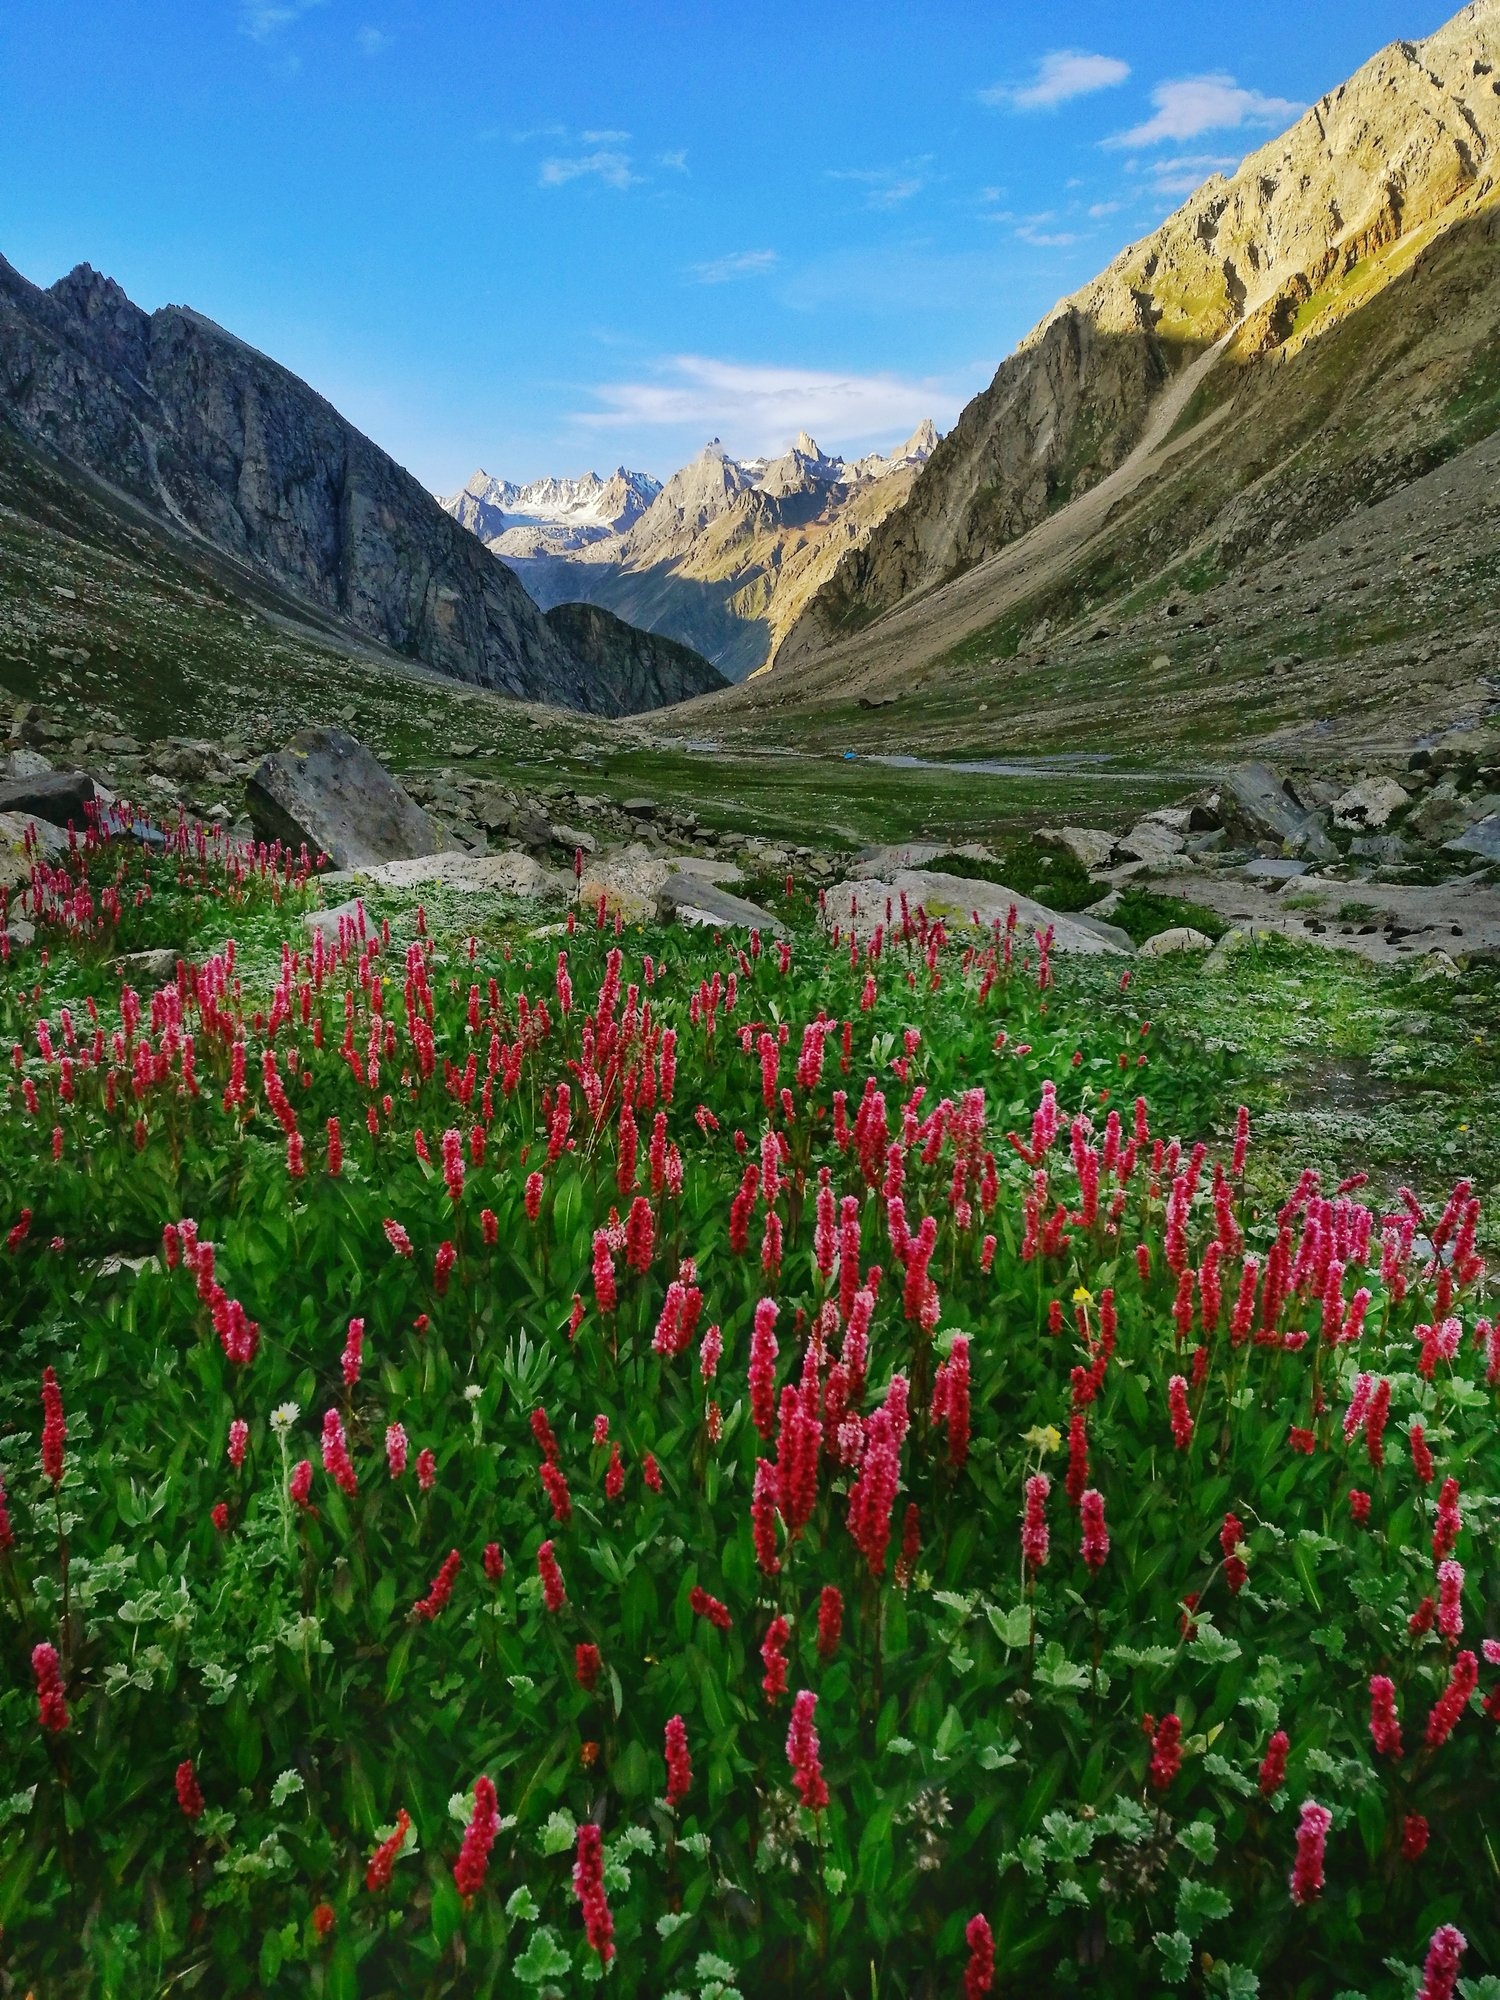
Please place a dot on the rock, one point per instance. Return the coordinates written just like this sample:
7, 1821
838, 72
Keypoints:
1436, 964
1182, 938
574, 837
25, 764
147, 968
639, 808
1369, 804
1205, 817
505, 874
58, 796
689, 899
1088, 845
1265, 870
1439, 818
1264, 801
1152, 844
1384, 847
1229, 946
14, 827
327, 922
958, 900
326, 789
1178, 818
1482, 838
1106, 906
19, 933
1110, 934
531, 829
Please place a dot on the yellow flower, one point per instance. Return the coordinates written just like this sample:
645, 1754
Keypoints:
1043, 1438
1083, 1297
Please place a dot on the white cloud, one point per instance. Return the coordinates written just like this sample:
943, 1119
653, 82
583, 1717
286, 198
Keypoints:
1100, 209
1043, 238
373, 41
760, 407
887, 187
675, 163
1181, 175
262, 19
612, 168
1195, 104
1060, 77
737, 264
605, 138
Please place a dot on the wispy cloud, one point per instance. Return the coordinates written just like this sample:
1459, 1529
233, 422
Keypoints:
612, 168
887, 187
262, 20
373, 41
1036, 230
1060, 77
675, 163
605, 138
737, 264
1173, 178
758, 406
1194, 104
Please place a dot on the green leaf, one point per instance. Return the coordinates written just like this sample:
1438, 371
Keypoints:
1199, 1839
1013, 1627
1198, 1903
543, 1958
521, 1906
1176, 1954
1235, 1982
1055, 1670
1068, 1839
559, 1834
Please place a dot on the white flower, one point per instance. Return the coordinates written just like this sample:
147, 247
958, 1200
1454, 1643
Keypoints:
473, 1393
283, 1417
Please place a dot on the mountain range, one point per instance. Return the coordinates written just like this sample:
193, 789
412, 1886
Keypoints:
240, 464
723, 556
1288, 387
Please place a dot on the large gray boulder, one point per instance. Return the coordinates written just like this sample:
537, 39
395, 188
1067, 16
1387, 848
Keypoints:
693, 899
58, 796
1482, 838
1265, 802
326, 789
861, 903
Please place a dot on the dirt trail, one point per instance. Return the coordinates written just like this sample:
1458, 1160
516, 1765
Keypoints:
928, 623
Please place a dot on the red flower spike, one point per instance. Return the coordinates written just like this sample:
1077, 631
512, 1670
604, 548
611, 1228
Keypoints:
189, 1797
553, 1594
979, 1975
803, 1753
1312, 1838
588, 1887
679, 1764
479, 1837
51, 1702
378, 1872
830, 1620
1273, 1764
1444, 1955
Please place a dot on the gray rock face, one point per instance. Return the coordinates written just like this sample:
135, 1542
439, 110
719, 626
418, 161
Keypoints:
691, 899
1483, 839
860, 904
647, 668
58, 796
1182, 938
1269, 807
1369, 804
326, 789
1088, 846
222, 444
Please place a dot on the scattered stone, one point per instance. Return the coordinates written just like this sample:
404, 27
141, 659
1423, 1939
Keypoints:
690, 899
1152, 844
19, 933
1483, 838
327, 790
1088, 845
1264, 801
959, 901
1369, 804
147, 968
1265, 870
1436, 964
58, 796
639, 808
326, 922
25, 764
1181, 938
14, 826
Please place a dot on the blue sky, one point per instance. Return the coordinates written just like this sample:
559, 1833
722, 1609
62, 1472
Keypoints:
543, 237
